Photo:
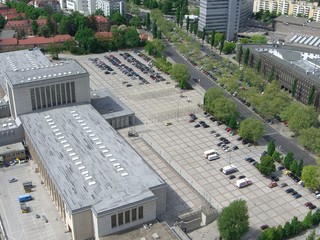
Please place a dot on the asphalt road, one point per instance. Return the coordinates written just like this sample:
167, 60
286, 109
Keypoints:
284, 144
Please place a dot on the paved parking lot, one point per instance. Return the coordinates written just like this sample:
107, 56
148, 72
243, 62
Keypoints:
25, 226
181, 146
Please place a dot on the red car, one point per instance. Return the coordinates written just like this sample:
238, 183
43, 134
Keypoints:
191, 120
228, 129
307, 204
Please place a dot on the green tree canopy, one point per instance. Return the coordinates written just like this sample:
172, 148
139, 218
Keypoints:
85, 39
132, 37
303, 118
311, 177
117, 19
136, 22
251, 129
228, 47
180, 73
271, 148
288, 159
266, 165
224, 108
310, 139
233, 221
2, 21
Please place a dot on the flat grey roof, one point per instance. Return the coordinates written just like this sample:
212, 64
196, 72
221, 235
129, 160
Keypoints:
8, 124
23, 67
11, 148
88, 161
305, 61
297, 21
108, 105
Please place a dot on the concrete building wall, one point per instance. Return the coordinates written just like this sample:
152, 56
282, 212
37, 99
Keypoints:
82, 225
103, 225
10, 136
161, 194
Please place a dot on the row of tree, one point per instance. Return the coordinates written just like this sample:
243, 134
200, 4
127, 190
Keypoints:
292, 228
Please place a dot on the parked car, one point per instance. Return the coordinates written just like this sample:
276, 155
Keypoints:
307, 204
12, 180
264, 227
241, 177
235, 147
280, 167
282, 185
273, 184
298, 195
197, 125
274, 178
232, 177
289, 190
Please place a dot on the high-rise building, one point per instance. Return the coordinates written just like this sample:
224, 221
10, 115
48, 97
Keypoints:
225, 16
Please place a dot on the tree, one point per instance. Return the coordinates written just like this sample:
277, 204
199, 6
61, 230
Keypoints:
180, 73
187, 24
34, 27
272, 234
50, 26
155, 48
276, 156
294, 167
178, 16
307, 221
224, 108
221, 44
210, 97
2, 21
311, 95
147, 21
303, 118
212, 38
294, 88
167, 7
239, 54
195, 27
132, 37
99, 12
258, 39
271, 148
311, 236
266, 165
203, 34
85, 39
232, 122
300, 168
258, 65
228, 47
311, 177
246, 56
233, 221
296, 226
117, 19
271, 76
310, 139
251, 129
135, 22
154, 29
44, 31
218, 38
54, 49
288, 159
287, 230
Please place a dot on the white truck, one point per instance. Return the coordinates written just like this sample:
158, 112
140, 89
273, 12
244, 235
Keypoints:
209, 152
229, 169
214, 156
243, 182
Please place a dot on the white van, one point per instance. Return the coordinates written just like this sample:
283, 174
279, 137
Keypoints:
214, 156
229, 169
209, 152
243, 182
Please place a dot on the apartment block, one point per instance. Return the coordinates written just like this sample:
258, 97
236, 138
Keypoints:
224, 16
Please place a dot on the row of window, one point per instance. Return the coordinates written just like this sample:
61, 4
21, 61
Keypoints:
126, 217
53, 95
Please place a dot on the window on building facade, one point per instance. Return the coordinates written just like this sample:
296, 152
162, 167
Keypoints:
63, 93
38, 98
140, 212
68, 93
120, 219
48, 96
33, 99
73, 92
58, 94
53, 94
43, 97
113, 221
134, 214
127, 216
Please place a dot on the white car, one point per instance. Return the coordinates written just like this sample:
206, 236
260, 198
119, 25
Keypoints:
318, 196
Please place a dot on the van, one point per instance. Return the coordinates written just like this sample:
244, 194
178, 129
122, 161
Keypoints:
209, 152
229, 169
213, 157
243, 182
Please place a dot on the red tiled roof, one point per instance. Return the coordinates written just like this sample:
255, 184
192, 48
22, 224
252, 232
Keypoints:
19, 23
43, 40
15, 15
8, 41
3, 6
101, 19
144, 36
104, 34
8, 11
